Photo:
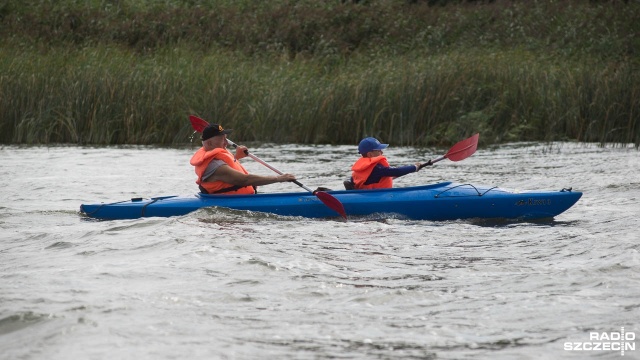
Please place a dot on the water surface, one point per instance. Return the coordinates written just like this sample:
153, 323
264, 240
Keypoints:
222, 284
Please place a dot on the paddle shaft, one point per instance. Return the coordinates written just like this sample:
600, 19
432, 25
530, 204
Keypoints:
431, 162
269, 166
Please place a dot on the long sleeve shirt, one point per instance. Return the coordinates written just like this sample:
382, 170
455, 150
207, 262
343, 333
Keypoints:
380, 171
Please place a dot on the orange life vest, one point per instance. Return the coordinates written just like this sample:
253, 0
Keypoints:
201, 160
363, 168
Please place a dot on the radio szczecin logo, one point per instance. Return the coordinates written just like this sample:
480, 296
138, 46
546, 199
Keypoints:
612, 341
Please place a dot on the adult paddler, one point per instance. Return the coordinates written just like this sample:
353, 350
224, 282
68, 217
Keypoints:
220, 172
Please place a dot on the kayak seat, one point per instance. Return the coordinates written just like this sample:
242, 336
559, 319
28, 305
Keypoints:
321, 188
349, 185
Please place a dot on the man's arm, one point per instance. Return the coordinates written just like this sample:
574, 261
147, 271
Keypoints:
230, 176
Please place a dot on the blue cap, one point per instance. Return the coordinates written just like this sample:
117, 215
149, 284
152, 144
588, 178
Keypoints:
370, 144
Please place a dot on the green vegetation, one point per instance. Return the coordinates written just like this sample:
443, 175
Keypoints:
408, 72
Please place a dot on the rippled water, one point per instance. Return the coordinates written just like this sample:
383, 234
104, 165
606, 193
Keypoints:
219, 284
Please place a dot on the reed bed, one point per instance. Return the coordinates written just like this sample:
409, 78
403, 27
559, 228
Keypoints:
108, 96
107, 89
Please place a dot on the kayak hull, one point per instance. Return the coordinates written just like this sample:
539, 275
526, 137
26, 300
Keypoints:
437, 202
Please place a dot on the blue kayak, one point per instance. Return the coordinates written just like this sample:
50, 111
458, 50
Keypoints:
442, 201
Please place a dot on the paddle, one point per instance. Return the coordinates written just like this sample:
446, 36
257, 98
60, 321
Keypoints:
327, 199
459, 151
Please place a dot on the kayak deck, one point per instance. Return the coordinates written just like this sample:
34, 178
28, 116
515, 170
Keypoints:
442, 201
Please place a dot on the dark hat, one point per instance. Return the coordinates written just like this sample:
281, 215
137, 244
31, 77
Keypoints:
370, 144
213, 130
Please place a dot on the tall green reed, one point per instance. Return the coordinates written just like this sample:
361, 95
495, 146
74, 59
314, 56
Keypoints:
107, 95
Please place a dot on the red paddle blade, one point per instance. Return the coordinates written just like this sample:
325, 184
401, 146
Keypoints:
197, 123
463, 149
331, 202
